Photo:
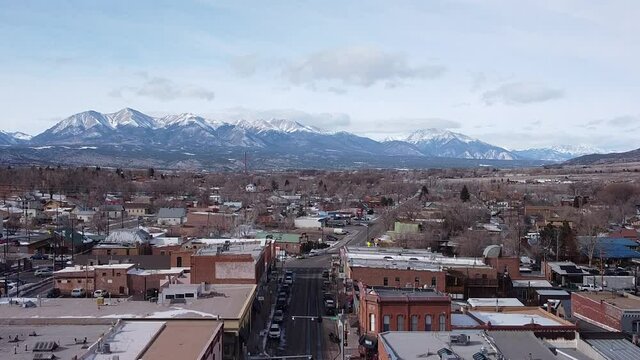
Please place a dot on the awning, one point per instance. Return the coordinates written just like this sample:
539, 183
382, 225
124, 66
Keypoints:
368, 341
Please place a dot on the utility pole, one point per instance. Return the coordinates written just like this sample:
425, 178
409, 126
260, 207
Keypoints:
557, 245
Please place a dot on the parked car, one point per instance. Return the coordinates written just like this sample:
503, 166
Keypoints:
43, 272
288, 280
78, 293
39, 256
589, 287
53, 293
329, 304
278, 316
274, 331
100, 293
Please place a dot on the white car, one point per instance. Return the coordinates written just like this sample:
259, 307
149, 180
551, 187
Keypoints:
43, 272
78, 293
100, 293
288, 280
589, 287
274, 331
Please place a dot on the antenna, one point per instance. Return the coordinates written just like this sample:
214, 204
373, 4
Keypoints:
245, 163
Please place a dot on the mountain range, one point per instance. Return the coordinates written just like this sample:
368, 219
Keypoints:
132, 131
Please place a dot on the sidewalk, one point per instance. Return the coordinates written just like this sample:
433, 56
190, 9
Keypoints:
261, 317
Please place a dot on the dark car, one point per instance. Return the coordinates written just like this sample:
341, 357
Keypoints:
39, 256
53, 293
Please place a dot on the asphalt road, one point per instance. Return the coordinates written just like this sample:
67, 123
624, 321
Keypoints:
302, 336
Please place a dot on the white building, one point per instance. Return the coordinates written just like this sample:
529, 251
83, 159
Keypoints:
308, 222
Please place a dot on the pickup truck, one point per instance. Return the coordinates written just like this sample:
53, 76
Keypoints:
589, 287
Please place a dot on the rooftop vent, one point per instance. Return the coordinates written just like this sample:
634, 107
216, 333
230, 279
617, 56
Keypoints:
45, 346
459, 339
41, 356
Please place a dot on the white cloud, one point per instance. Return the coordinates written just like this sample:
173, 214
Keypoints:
164, 89
245, 65
518, 93
357, 66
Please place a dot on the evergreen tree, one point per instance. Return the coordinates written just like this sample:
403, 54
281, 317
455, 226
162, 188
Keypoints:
464, 194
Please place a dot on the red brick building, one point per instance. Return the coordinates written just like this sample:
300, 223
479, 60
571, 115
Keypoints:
242, 263
390, 309
112, 278
395, 277
611, 312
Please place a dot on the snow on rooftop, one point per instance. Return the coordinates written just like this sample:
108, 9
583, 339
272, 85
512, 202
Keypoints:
513, 319
501, 302
130, 339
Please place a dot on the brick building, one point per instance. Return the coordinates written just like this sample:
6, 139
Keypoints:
611, 312
389, 309
232, 263
460, 277
112, 278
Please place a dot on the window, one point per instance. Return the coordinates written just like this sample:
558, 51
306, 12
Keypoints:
179, 296
79, 281
635, 327
385, 281
386, 320
117, 274
162, 253
414, 322
433, 281
400, 322
189, 295
372, 322
417, 280
108, 252
397, 279
443, 322
104, 274
427, 323
179, 261
169, 297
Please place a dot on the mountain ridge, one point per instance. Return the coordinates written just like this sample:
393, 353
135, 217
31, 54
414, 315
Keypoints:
276, 135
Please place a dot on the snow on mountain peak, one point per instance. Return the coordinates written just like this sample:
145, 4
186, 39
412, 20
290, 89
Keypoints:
577, 150
20, 135
440, 135
279, 125
131, 117
82, 121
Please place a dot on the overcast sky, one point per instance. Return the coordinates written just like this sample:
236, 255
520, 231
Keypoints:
513, 74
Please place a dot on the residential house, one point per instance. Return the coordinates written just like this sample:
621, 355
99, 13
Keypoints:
171, 216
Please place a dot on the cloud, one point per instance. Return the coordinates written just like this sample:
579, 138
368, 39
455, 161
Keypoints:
520, 93
164, 89
357, 66
623, 121
402, 127
326, 121
244, 65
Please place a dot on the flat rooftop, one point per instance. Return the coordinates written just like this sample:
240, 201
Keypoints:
253, 249
493, 302
394, 264
229, 303
70, 339
520, 345
417, 255
518, 317
627, 302
182, 339
389, 293
409, 345
128, 340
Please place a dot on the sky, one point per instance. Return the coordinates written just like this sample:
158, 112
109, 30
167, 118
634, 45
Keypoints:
518, 74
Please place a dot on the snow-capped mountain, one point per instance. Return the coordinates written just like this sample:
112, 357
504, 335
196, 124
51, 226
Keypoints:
557, 153
280, 137
444, 143
13, 138
278, 125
